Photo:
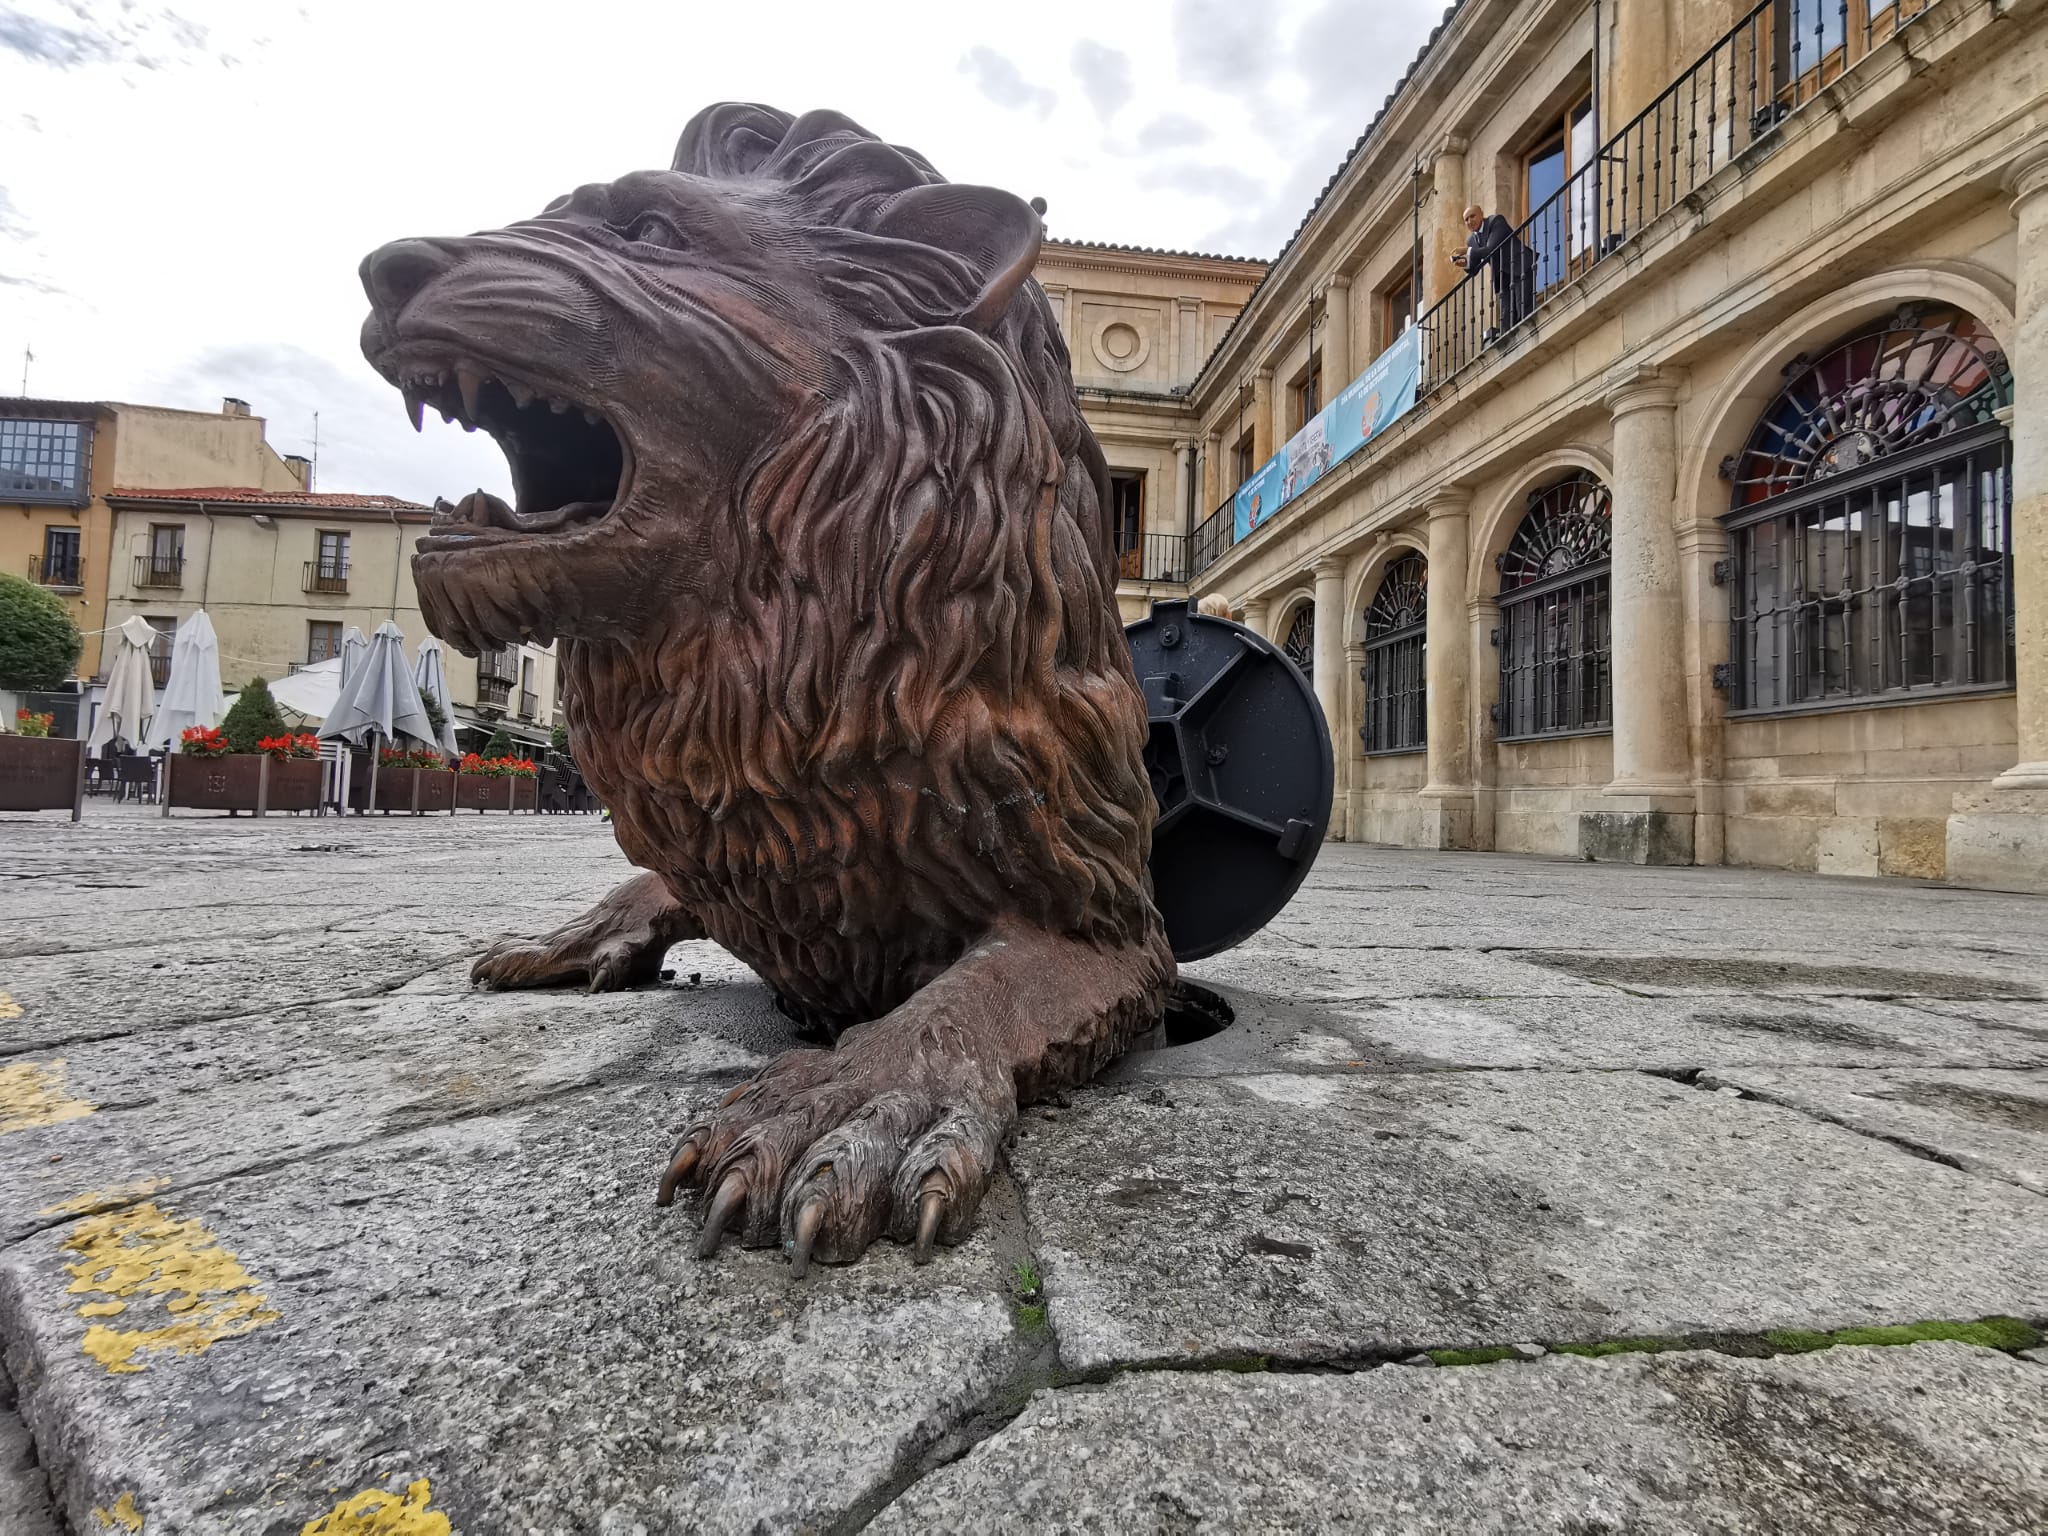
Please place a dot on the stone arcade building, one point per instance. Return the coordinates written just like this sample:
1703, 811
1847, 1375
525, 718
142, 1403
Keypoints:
1727, 539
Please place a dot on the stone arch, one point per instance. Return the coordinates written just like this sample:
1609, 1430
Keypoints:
1730, 411
1383, 554
1496, 517
1286, 605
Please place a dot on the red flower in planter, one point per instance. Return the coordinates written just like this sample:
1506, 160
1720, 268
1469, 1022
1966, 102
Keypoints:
203, 741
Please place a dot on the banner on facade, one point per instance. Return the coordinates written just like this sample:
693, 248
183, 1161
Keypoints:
1369, 404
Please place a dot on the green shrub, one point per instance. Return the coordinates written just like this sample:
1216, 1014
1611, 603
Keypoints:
253, 715
39, 644
500, 745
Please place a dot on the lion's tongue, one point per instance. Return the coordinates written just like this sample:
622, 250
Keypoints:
483, 510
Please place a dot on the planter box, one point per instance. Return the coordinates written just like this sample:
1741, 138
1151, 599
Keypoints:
408, 790
241, 781
42, 773
481, 792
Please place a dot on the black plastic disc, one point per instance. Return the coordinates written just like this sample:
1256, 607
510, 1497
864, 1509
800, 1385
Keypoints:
1239, 756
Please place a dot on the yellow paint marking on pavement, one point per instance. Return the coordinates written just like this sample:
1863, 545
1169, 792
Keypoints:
99, 1199
124, 1514
32, 1094
142, 1251
375, 1512
9, 1008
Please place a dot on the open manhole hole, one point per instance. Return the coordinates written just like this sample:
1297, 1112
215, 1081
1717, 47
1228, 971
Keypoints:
1194, 1013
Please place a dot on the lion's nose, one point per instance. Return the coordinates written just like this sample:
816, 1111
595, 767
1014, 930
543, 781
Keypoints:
394, 273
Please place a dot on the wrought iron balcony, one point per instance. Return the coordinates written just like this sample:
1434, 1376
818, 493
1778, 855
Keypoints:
160, 571
493, 690
1774, 61
326, 576
1212, 536
1152, 557
58, 571
159, 668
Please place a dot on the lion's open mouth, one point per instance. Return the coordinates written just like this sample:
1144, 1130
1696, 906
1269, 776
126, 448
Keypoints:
569, 464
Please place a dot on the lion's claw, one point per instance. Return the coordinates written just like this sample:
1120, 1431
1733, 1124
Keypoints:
826, 1151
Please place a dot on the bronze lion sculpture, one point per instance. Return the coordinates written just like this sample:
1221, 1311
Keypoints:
804, 494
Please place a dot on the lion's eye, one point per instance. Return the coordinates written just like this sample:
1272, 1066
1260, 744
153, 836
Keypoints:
652, 231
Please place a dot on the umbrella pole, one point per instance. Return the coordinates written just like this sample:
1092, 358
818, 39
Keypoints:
371, 803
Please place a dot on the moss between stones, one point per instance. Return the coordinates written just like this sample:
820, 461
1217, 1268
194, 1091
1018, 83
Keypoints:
1032, 1318
1471, 1356
2003, 1333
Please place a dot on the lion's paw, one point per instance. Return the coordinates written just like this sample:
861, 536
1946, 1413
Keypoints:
827, 1150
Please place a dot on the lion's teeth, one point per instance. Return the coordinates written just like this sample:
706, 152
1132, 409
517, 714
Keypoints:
559, 407
414, 408
446, 414
521, 395
591, 416
470, 383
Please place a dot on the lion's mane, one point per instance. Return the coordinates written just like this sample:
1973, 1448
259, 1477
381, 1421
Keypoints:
914, 713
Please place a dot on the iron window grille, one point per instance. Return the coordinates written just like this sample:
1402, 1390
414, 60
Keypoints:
1554, 637
60, 565
1396, 671
1871, 521
44, 461
1300, 644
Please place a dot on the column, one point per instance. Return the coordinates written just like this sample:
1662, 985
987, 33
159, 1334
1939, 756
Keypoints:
1182, 518
1213, 489
1187, 330
1351, 750
2000, 838
1337, 367
1333, 628
1443, 221
1649, 814
1056, 296
1638, 64
1447, 796
1256, 612
1263, 440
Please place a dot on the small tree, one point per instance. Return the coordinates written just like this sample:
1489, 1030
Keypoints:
500, 745
39, 644
558, 738
253, 716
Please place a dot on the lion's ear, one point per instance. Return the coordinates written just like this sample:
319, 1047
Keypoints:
995, 234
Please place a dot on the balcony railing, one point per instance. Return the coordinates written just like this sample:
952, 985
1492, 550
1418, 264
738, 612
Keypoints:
159, 668
1774, 61
1152, 557
57, 571
528, 703
492, 690
326, 576
160, 571
1770, 64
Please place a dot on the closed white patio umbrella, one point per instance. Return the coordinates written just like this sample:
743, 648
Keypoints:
380, 702
353, 649
131, 692
192, 696
430, 674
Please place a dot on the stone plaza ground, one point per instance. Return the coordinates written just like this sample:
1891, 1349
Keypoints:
1522, 1195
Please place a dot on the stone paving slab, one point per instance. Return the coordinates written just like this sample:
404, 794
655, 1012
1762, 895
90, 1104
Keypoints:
208, 1100
1283, 1034
497, 1307
1993, 1123
1930, 1437
1326, 1217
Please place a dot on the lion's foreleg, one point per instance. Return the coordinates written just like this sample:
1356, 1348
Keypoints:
617, 943
900, 1128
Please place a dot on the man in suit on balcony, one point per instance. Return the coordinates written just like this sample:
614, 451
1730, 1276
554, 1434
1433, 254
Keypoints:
1491, 241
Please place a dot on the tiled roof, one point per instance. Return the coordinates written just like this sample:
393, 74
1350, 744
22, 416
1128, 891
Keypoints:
324, 501
1357, 148
1153, 250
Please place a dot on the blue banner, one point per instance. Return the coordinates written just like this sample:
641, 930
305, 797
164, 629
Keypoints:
1369, 404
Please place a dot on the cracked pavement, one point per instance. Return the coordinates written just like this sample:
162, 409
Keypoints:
291, 1220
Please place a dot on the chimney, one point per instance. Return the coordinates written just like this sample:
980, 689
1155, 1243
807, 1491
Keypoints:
302, 468
230, 406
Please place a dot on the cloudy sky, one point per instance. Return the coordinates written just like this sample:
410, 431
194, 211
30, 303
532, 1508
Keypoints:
186, 189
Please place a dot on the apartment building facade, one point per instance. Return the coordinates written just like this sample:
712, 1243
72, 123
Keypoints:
283, 576
1717, 531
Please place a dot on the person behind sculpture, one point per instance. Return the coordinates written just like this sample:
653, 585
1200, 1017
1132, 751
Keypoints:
806, 499
1491, 242
1215, 605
